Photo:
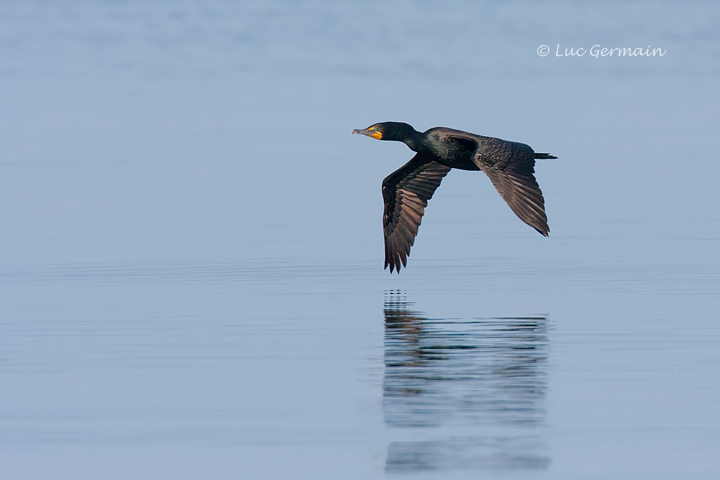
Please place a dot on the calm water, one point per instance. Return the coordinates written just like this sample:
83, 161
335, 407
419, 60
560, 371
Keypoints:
191, 279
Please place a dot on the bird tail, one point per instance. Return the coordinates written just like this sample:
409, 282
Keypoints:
544, 155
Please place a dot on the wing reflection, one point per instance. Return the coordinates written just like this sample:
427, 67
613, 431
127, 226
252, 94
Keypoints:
467, 394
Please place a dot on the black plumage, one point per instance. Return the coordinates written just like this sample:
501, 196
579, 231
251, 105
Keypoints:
510, 166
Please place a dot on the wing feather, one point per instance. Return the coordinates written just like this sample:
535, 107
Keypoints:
522, 193
511, 168
406, 193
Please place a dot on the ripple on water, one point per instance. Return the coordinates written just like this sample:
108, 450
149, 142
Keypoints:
470, 393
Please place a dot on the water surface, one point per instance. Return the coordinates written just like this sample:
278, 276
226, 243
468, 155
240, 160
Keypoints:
191, 278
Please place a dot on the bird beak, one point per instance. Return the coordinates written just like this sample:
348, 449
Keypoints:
369, 133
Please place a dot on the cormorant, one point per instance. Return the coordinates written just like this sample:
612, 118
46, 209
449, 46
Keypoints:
406, 191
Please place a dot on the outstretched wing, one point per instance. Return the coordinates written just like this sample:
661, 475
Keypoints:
510, 167
523, 195
406, 193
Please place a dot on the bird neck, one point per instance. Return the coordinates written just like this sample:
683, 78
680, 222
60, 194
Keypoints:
413, 139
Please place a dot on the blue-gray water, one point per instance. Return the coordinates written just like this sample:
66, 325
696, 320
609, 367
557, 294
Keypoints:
191, 279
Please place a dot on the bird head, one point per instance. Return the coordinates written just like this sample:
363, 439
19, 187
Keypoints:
388, 131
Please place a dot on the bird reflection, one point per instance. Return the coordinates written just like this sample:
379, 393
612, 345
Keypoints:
464, 394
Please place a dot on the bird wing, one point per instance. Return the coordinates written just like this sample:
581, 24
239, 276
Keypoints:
510, 166
406, 193
521, 192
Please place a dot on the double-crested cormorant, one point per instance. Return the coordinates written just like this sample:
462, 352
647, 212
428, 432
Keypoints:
406, 191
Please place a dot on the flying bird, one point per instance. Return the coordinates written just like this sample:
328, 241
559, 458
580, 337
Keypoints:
406, 191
